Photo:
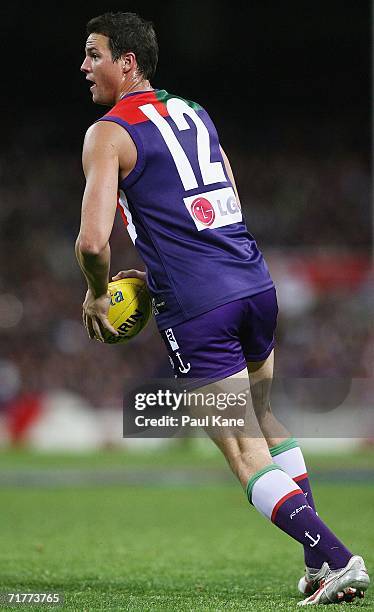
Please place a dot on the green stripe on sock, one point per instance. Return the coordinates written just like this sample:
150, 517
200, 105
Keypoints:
283, 446
252, 481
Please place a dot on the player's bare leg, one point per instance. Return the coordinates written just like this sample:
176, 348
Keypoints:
274, 493
261, 378
248, 452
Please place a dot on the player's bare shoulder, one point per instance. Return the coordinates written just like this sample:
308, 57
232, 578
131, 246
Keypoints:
106, 139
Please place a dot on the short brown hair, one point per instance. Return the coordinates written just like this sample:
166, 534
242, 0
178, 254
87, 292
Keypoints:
128, 32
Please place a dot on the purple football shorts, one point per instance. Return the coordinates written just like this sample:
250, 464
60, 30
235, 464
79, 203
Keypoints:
218, 343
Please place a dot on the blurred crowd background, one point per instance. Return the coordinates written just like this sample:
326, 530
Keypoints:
289, 92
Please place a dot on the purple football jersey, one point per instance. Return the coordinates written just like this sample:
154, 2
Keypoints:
181, 211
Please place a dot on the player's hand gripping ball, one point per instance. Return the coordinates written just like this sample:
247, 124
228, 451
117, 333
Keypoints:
130, 309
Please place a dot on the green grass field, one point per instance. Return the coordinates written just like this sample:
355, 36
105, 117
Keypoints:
163, 546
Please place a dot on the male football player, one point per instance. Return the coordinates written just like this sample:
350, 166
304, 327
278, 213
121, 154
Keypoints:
214, 300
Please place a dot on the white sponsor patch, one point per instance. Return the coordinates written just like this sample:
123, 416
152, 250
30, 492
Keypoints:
214, 208
171, 338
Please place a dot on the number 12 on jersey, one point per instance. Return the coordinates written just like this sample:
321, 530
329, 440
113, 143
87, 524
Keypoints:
211, 172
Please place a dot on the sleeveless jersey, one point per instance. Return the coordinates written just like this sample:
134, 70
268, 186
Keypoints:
181, 211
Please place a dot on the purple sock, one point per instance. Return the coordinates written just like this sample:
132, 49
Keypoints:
302, 523
276, 496
289, 457
312, 557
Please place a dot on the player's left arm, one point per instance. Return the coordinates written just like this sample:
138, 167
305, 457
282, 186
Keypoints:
101, 166
230, 173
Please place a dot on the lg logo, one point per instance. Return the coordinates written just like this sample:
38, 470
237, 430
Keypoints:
203, 211
214, 208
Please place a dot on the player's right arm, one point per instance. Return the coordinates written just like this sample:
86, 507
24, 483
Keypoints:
101, 167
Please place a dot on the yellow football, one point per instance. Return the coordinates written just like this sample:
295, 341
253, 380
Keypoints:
130, 309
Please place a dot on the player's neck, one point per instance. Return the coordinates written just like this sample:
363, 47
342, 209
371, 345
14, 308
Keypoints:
134, 86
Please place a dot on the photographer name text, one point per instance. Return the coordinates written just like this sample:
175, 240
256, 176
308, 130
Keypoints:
187, 421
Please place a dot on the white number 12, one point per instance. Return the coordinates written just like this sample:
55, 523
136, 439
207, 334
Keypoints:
212, 172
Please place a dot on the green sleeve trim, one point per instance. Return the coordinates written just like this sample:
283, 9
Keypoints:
252, 481
283, 447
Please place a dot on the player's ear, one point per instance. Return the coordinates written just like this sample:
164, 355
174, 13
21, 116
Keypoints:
128, 61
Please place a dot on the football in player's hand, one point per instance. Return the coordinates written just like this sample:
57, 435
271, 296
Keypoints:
130, 309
